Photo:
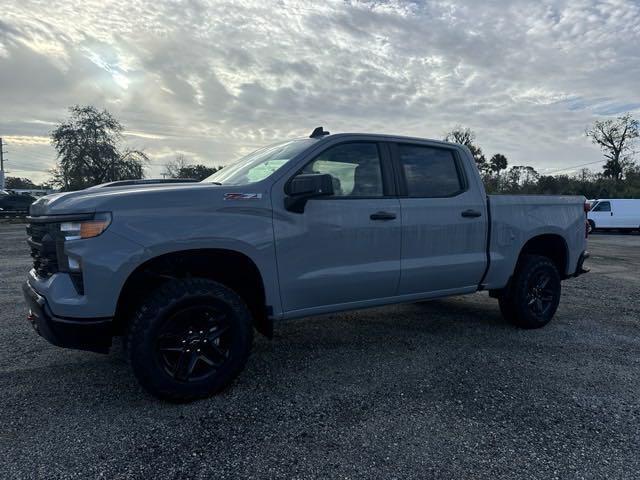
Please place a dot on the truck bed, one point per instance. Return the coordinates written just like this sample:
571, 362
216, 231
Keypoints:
516, 218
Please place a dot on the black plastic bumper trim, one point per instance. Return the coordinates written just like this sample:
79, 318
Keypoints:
92, 334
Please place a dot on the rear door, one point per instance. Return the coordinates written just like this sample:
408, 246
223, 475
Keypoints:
344, 248
444, 220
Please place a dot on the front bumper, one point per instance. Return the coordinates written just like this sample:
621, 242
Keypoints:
92, 334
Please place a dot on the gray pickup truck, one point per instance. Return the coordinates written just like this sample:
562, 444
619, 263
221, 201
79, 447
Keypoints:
186, 271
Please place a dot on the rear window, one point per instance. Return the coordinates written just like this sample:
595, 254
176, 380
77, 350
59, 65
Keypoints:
429, 171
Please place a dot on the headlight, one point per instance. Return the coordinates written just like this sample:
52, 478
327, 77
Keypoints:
86, 228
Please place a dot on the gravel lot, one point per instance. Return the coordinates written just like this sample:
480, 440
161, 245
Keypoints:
443, 389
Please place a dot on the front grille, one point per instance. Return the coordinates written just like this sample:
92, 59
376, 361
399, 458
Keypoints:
44, 241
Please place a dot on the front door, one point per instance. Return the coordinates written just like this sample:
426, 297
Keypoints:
344, 248
602, 215
444, 221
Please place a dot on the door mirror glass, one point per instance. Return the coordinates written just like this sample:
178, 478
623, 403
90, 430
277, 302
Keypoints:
305, 186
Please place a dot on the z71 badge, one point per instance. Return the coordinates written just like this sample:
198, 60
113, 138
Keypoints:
242, 196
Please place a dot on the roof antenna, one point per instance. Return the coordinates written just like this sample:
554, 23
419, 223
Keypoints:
318, 132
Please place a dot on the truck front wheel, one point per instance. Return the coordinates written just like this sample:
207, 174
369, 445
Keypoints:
532, 298
189, 339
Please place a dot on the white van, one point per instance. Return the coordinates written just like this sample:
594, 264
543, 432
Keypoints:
615, 213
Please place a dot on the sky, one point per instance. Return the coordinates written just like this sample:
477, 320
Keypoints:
215, 80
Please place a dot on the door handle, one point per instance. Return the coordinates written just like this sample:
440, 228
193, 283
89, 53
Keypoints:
471, 213
382, 216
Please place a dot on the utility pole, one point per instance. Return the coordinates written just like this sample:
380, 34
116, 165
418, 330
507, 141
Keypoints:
1, 165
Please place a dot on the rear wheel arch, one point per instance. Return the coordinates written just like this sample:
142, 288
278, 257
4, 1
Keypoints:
231, 268
550, 245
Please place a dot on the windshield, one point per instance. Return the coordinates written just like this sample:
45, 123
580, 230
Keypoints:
260, 164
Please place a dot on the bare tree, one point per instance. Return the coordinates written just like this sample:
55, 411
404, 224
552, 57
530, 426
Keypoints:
584, 175
616, 138
179, 168
173, 168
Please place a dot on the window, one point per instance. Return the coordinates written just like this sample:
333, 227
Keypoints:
602, 207
429, 171
355, 168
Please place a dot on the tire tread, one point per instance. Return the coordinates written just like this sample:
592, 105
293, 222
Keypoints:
158, 304
511, 303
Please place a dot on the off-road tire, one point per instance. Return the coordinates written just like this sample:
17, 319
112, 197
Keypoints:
161, 305
515, 303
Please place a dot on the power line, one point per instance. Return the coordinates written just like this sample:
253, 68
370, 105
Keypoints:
572, 168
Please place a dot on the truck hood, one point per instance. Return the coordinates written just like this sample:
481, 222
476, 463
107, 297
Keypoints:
103, 198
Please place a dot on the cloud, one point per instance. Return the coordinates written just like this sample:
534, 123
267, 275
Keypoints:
27, 140
216, 79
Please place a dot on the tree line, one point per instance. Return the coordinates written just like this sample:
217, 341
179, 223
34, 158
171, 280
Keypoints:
90, 150
619, 178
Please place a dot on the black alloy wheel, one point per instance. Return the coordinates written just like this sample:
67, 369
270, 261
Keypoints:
541, 293
194, 342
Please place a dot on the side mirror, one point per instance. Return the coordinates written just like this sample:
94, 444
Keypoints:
305, 186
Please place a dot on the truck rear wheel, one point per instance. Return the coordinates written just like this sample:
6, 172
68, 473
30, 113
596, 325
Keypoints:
532, 298
189, 339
